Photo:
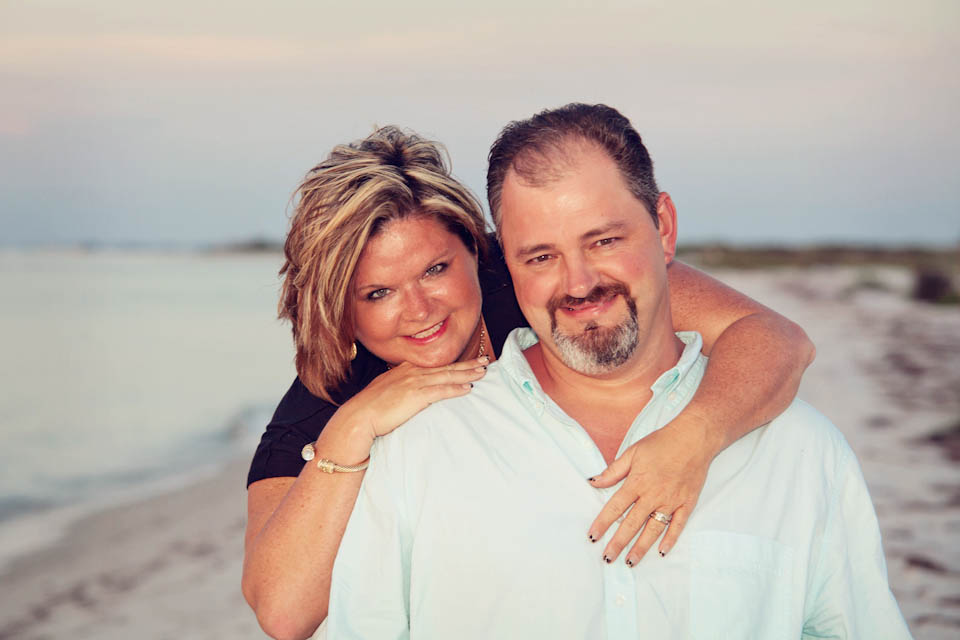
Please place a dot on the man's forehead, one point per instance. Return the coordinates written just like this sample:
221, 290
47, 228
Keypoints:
542, 165
586, 172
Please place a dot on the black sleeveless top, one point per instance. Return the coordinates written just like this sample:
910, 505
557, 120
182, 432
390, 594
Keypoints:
301, 416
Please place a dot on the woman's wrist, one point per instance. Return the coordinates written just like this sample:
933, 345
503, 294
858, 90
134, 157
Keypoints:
344, 441
699, 433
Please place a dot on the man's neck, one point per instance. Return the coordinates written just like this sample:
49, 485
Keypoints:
606, 406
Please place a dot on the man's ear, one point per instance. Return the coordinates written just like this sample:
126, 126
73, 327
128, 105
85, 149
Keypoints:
667, 226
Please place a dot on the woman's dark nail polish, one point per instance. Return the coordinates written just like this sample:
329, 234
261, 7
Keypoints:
607, 559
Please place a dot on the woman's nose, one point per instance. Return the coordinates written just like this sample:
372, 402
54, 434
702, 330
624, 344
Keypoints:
417, 304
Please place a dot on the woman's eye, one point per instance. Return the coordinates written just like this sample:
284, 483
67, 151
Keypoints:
440, 267
377, 294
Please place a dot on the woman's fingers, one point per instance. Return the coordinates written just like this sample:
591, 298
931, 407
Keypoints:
437, 392
674, 530
614, 473
651, 532
616, 506
652, 528
625, 532
472, 363
450, 375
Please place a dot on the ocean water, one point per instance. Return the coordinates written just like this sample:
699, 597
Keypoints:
125, 372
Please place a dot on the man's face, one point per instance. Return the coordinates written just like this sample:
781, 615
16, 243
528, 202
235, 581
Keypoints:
588, 264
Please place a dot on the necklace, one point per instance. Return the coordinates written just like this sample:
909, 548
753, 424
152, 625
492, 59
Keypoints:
483, 334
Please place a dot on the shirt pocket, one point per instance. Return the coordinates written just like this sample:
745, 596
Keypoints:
741, 587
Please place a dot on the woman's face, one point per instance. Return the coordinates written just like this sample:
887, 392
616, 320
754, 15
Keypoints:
416, 296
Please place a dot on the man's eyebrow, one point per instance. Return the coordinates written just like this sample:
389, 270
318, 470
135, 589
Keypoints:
523, 252
544, 247
613, 227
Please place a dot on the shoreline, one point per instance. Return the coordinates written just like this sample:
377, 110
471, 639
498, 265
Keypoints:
35, 530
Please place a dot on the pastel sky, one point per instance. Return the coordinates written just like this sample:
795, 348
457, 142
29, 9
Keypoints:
188, 123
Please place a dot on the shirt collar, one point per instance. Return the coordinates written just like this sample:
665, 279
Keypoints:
519, 373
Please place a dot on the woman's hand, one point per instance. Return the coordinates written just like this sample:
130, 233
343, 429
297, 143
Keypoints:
397, 395
665, 472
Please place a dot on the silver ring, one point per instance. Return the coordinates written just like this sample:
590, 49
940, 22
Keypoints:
661, 517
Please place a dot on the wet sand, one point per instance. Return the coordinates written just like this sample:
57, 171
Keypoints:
887, 373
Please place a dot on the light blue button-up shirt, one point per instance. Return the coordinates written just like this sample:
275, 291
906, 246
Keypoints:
472, 523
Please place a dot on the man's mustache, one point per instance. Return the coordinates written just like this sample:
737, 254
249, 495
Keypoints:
603, 291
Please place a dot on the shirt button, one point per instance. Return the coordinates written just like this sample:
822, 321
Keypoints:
620, 600
672, 397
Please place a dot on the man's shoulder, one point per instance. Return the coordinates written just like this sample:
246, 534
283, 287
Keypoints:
802, 433
802, 420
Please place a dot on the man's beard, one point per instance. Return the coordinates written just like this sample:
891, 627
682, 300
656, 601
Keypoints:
596, 350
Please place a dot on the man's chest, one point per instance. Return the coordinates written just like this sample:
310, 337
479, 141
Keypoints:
512, 510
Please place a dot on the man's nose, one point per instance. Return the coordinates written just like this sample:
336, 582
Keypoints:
581, 276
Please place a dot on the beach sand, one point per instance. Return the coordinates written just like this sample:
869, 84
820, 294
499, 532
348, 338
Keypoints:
887, 373
168, 567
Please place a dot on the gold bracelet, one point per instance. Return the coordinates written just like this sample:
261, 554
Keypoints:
329, 466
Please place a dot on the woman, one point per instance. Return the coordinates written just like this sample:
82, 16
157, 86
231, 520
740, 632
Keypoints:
396, 303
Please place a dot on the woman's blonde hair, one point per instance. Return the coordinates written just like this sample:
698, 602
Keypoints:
341, 203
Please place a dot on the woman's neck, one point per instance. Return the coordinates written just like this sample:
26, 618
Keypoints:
479, 345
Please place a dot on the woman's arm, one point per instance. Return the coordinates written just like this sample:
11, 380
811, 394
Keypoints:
294, 525
757, 358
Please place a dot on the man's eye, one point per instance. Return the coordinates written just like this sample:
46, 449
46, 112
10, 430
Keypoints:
603, 242
440, 267
377, 294
538, 259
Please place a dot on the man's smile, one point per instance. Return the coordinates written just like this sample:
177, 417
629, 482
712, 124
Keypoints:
588, 310
591, 307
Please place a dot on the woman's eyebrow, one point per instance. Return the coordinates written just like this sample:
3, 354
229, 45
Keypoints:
442, 256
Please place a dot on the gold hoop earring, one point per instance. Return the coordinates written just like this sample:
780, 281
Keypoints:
353, 350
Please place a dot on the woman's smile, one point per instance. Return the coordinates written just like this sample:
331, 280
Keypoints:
431, 333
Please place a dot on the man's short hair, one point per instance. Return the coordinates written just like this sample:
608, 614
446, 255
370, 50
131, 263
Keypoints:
537, 150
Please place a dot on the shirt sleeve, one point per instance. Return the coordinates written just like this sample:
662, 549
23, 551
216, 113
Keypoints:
370, 588
848, 594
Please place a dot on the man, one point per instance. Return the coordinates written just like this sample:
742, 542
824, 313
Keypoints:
472, 516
